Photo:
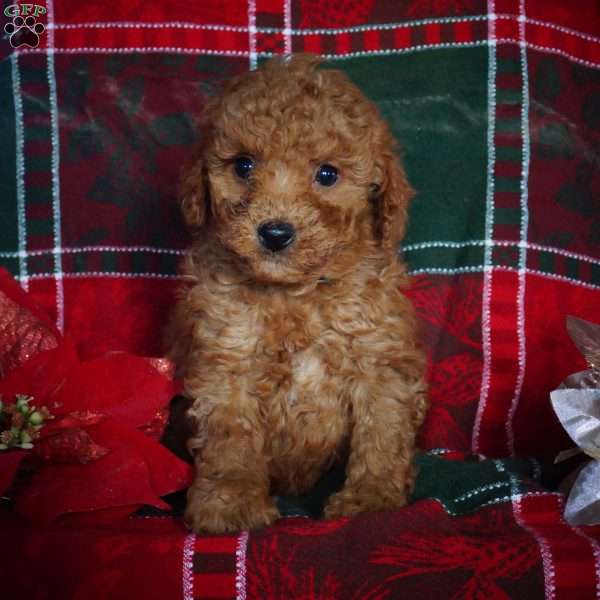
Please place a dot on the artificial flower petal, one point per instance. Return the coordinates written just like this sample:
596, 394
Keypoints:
24, 330
136, 471
69, 446
42, 375
126, 387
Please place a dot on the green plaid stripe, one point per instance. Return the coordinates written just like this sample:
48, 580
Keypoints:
442, 256
464, 486
434, 257
506, 256
565, 265
445, 257
11, 264
40, 264
507, 215
446, 169
436, 103
117, 261
37, 157
9, 240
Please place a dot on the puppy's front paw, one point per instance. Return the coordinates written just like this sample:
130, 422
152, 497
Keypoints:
228, 508
349, 502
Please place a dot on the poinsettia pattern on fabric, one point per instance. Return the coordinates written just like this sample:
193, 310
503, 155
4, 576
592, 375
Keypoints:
449, 312
484, 555
486, 559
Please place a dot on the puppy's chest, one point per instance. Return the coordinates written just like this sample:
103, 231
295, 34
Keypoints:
298, 355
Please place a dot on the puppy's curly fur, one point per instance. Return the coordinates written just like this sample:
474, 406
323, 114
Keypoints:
290, 356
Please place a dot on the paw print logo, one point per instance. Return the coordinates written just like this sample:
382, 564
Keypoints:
24, 31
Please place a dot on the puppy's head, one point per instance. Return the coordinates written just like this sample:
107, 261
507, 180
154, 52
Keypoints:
298, 177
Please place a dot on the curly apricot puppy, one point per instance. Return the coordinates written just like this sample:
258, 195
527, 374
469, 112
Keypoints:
294, 338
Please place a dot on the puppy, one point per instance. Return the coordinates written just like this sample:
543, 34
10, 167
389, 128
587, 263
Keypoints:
293, 337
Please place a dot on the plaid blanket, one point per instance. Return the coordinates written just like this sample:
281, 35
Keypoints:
496, 105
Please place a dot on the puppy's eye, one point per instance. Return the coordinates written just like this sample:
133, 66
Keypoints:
326, 175
243, 165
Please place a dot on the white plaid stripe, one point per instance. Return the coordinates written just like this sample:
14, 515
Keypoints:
20, 171
416, 247
187, 567
301, 32
544, 546
253, 56
145, 50
56, 210
240, 565
430, 271
287, 26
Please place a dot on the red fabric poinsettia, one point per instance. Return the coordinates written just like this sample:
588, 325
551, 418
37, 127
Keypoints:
100, 453
24, 329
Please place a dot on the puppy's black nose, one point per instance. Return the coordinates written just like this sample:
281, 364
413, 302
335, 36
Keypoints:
276, 235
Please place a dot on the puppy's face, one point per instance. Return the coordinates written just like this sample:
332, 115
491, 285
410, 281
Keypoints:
299, 173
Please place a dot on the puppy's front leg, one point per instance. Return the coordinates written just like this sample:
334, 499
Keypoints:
231, 486
386, 414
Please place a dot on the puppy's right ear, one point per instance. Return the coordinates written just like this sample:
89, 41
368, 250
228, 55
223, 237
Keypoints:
193, 196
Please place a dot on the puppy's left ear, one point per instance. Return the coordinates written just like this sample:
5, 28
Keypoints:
193, 197
391, 193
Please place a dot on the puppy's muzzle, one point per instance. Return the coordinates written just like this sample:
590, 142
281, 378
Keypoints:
276, 235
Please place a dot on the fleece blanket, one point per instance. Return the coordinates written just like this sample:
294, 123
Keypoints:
496, 106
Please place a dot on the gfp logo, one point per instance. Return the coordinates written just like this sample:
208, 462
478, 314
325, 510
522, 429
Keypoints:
24, 29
